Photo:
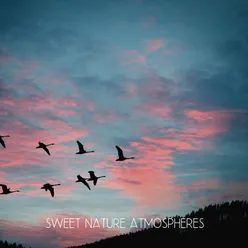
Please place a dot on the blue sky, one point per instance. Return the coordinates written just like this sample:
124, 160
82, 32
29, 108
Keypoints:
164, 80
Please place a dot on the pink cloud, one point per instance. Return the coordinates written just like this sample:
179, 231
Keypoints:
145, 181
154, 45
208, 123
43, 112
24, 138
45, 101
62, 192
155, 155
151, 188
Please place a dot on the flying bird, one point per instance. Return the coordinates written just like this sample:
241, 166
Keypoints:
49, 187
83, 180
93, 177
44, 147
81, 149
120, 155
2, 141
7, 190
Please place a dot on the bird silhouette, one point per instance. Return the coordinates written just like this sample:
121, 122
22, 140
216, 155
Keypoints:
120, 155
93, 177
83, 180
49, 187
81, 149
7, 190
44, 147
2, 141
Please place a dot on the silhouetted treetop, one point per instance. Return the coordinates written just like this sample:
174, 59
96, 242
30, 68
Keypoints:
5, 244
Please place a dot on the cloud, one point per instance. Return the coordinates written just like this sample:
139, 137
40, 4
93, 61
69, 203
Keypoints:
148, 179
132, 56
157, 110
30, 186
221, 191
34, 112
209, 123
154, 45
56, 131
109, 115
150, 188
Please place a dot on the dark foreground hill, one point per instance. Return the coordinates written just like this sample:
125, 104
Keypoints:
222, 223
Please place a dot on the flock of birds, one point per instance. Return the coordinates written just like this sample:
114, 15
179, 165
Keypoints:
48, 186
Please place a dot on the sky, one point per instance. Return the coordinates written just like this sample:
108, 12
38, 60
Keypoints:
165, 80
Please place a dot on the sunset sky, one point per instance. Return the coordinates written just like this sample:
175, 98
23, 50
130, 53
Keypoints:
165, 80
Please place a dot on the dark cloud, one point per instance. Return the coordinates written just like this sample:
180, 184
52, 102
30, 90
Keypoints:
217, 90
50, 30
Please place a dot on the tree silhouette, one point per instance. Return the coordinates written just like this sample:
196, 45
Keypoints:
5, 244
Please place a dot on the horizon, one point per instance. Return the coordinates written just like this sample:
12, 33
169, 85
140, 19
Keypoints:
164, 80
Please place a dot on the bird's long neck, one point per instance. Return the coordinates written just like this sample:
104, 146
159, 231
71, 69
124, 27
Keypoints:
50, 144
4, 136
101, 177
90, 151
130, 158
56, 184
13, 191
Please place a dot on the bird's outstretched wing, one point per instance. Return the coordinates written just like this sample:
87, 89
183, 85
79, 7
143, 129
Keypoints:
86, 184
46, 150
4, 187
120, 152
2, 143
80, 146
51, 191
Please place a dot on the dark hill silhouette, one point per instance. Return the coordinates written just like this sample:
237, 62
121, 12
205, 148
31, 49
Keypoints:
223, 222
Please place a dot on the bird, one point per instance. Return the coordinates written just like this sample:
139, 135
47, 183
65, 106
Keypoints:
83, 180
44, 147
2, 141
93, 177
7, 190
81, 149
49, 187
120, 155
